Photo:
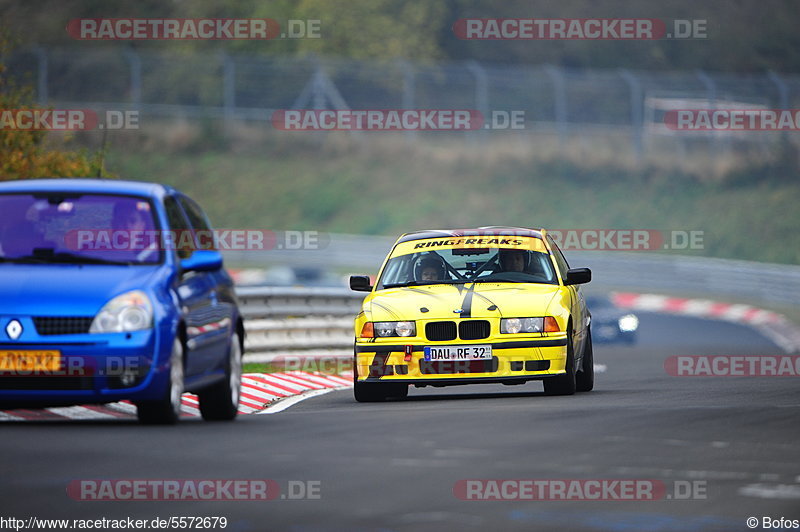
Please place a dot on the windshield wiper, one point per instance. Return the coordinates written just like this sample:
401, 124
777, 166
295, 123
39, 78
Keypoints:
421, 283
502, 279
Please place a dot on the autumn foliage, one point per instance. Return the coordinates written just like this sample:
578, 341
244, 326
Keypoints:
24, 153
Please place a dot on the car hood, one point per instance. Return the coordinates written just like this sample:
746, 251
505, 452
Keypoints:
481, 300
67, 289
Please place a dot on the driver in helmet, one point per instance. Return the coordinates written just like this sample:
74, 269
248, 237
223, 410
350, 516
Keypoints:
429, 268
513, 260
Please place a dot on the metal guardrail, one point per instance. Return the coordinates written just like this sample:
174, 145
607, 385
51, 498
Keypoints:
289, 302
301, 321
756, 282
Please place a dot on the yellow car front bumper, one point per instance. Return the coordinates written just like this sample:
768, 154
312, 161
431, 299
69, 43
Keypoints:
518, 360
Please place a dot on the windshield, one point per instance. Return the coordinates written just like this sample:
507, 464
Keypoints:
57, 227
468, 264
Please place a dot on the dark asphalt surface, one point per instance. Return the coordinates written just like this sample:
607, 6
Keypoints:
393, 466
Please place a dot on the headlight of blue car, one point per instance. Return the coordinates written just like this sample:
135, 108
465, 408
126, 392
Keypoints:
131, 311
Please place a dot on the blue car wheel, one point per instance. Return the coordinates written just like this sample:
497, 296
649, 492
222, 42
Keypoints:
221, 402
166, 411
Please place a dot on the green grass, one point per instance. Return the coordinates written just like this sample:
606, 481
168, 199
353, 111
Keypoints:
253, 367
747, 213
327, 366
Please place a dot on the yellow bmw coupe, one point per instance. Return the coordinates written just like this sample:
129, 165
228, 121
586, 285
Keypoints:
486, 305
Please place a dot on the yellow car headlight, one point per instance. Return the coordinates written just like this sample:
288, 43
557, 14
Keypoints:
384, 329
528, 325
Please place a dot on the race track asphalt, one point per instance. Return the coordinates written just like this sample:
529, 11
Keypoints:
393, 466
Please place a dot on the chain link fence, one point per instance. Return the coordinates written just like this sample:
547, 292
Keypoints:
557, 101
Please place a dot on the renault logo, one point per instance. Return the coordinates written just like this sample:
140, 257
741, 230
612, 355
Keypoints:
13, 329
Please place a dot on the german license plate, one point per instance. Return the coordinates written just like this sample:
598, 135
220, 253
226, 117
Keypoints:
457, 352
30, 361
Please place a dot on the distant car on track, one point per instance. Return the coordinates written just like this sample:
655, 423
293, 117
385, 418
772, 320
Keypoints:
610, 323
109, 294
486, 305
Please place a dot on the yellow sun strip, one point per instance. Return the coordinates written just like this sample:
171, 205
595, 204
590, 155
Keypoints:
477, 242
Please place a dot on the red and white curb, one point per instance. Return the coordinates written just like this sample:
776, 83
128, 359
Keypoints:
245, 277
262, 393
773, 325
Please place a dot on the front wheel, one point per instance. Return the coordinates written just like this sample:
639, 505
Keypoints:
221, 401
167, 410
563, 384
584, 380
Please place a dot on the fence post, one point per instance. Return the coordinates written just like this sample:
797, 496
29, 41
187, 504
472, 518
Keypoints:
783, 94
560, 98
41, 80
783, 88
228, 88
711, 87
135, 64
409, 93
318, 91
711, 90
481, 95
637, 124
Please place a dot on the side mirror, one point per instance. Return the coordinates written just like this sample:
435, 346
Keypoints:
202, 261
360, 283
578, 276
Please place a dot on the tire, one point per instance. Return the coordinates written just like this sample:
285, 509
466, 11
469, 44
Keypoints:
166, 411
584, 380
221, 401
563, 384
372, 392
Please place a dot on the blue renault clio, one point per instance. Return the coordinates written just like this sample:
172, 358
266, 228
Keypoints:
113, 290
